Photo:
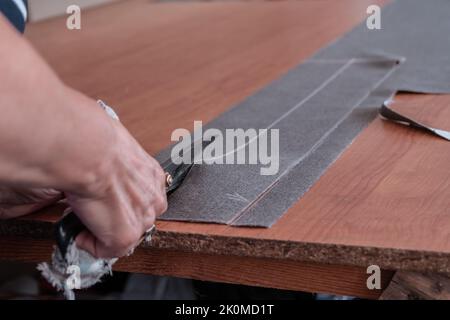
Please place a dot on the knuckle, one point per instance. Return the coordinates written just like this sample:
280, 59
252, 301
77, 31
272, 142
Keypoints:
121, 245
149, 221
165, 204
160, 175
160, 204
157, 170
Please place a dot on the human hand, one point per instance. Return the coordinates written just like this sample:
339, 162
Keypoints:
16, 202
122, 200
54, 137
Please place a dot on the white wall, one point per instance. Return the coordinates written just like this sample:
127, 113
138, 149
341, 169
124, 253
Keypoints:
42, 9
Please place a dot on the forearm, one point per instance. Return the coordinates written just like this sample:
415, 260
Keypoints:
50, 135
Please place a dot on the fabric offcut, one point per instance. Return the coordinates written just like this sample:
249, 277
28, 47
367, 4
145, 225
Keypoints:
319, 107
391, 115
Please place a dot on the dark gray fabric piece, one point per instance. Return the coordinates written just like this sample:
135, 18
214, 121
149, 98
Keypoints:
293, 185
216, 193
311, 100
336, 93
418, 31
413, 31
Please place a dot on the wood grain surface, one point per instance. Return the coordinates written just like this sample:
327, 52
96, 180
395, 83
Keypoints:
410, 285
274, 273
384, 201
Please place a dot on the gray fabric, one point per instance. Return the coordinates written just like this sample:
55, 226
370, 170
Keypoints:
416, 30
329, 100
318, 95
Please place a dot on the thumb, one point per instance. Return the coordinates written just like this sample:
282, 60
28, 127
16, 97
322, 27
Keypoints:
88, 242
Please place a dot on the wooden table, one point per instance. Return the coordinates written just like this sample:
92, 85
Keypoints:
163, 65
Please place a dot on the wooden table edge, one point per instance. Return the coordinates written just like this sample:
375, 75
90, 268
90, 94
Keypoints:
349, 255
254, 271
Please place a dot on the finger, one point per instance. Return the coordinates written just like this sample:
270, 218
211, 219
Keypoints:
14, 196
8, 212
15, 211
88, 242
